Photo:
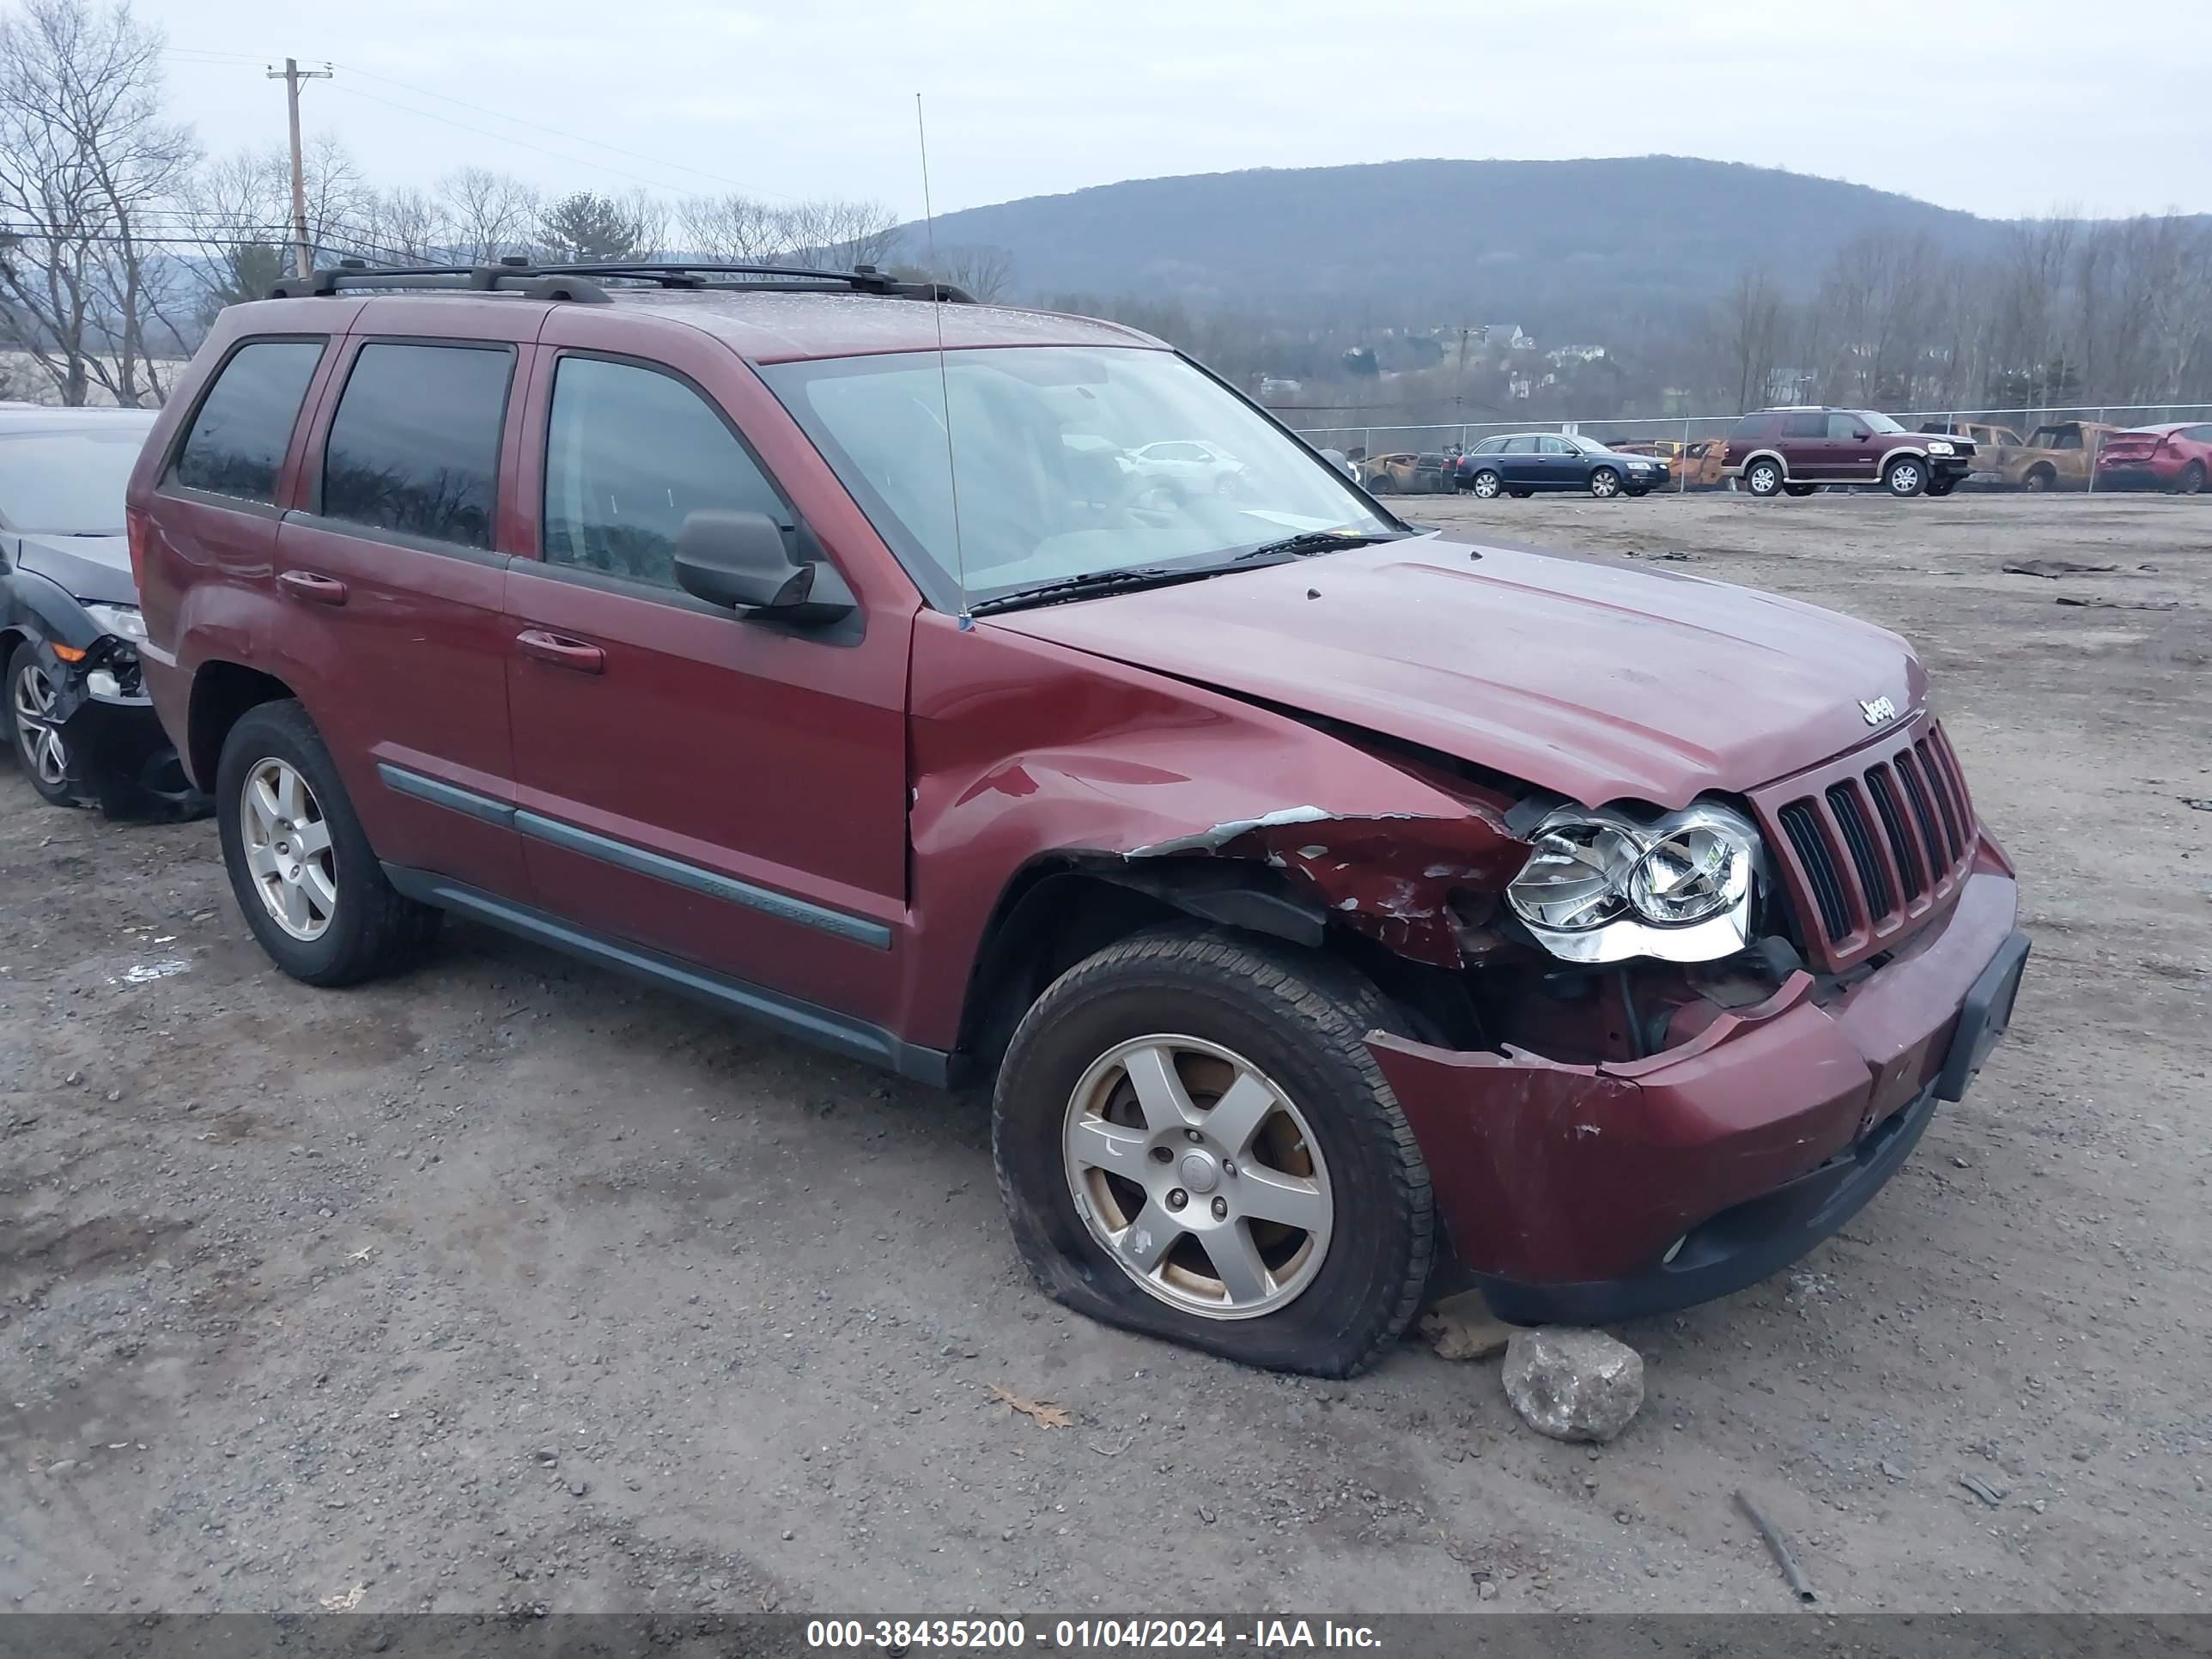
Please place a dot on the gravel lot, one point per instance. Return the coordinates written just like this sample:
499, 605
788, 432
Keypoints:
510, 1284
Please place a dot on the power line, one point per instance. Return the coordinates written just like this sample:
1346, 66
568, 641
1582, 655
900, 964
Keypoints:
506, 139
572, 138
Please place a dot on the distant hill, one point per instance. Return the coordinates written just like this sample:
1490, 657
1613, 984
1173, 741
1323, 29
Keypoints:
1556, 247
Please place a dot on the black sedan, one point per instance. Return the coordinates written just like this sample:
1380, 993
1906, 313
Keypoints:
78, 718
1522, 463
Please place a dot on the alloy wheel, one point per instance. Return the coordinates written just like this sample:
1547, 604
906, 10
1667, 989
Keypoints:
1486, 486
1904, 478
288, 850
38, 743
1605, 484
1765, 479
1198, 1175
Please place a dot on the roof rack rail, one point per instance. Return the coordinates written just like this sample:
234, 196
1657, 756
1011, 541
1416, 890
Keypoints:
586, 283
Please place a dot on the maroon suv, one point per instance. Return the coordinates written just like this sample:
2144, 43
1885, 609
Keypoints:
1331, 902
1793, 452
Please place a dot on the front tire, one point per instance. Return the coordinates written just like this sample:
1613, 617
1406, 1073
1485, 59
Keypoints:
46, 759
1382, 484
1764, 479
1905, 477
1605, 484
1485, 485
1192, 1140
1942, 485
2039, 480
300, 866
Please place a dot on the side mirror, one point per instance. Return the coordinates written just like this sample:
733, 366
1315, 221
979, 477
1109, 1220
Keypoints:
738, 560
1341, 462
1861, 437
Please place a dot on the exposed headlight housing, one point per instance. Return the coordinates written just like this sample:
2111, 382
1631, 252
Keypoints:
1937, 447
1604, 886
123, 621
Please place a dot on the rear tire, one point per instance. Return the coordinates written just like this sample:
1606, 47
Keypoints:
1800, 489
1763, 478
2039, 479
1225, 1013
1485, 485
300, 866
1382, 484
51, 765
1905, 477
2191, 481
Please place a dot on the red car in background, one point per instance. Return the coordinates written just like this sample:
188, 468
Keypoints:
2175, 456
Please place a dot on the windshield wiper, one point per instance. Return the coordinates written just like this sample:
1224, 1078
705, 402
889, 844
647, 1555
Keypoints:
1317, 541
1091, 581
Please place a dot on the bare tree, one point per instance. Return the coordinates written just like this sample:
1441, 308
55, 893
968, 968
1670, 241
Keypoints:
491, 215
982, 273
740, 229
239, 210
407, 226
838, 232
87, 164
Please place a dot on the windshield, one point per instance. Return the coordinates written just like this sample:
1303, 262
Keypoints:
1879, 422
1069, 461
68, 483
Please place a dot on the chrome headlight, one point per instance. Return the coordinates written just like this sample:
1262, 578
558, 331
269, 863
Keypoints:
121, 620
1937, 447
1604, 886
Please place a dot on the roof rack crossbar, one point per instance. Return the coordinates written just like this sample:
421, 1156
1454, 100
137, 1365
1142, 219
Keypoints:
582, 282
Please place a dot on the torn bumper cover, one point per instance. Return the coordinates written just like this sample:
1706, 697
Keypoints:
1585, 1194
126, 762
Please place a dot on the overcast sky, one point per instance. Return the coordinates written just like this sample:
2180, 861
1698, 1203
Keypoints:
2002, 109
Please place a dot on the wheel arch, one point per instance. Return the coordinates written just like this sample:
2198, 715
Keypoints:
1759, 455
221, 693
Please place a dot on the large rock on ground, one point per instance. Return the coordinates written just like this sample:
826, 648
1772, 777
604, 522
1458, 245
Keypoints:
1573, 1385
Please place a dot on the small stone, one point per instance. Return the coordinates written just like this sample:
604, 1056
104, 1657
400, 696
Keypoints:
114, 1094
1486, 1589
74, 1078
1892, 1470
1590, 1483
578, 1488
1958, 1162
546, 1455
788, 1535
1622, 1516
1205, 1515
1573, 1384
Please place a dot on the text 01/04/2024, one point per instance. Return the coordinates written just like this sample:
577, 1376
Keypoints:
1083, 1635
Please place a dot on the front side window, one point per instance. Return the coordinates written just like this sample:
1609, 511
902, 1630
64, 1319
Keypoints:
997, 470
238, 438
1845, 426
414, 446
1555, 446
1523, 445
629, 454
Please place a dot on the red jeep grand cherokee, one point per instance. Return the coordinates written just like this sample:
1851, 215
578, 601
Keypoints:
1331, 902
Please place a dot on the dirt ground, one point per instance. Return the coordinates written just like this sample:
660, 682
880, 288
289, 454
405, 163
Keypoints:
510, 1284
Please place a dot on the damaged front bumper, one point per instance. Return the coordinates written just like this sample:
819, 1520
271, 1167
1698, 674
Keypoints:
107, 724
1587, 1193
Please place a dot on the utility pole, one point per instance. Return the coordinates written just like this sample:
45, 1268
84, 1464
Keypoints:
291, 75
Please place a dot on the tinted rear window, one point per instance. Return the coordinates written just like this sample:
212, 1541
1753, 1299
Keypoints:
415, 444
238, 438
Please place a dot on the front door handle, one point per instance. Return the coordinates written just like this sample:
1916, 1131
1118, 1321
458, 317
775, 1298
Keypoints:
562, 652
314, 589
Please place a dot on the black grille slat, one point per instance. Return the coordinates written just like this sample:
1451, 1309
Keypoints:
1886, 804
1858, 841
1916, 793
1802, 825
1938, 786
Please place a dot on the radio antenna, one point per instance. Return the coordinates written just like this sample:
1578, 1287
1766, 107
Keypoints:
944, 375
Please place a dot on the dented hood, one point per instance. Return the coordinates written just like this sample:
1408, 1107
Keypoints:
1600, 682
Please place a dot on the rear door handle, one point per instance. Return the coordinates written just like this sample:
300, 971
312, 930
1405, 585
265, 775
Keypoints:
562, 652
313, 589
